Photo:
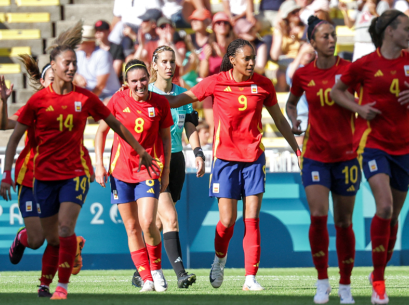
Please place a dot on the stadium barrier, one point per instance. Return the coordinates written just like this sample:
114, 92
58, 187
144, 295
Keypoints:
284, 223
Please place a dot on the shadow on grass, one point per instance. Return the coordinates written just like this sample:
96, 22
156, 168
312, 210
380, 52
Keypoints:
163, 298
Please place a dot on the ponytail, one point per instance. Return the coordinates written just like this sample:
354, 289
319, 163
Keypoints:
67, 40
33, 71
232, 49
379, 25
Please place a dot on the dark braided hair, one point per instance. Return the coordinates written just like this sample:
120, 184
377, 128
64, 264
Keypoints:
132, 65
313, 24
379, 25
232, 49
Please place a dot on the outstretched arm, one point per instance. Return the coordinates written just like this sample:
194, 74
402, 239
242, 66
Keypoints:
182, 99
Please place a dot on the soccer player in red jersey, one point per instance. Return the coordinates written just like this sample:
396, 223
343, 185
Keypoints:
59, 114
148, 116
329, 161
238, 169
384, 146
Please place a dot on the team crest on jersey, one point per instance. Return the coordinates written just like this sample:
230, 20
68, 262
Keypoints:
38, 208
151, 111
406, 68
315, 176
337, 77
254, 89
78, 106
216, 188
115, 194
29, 206
373, 167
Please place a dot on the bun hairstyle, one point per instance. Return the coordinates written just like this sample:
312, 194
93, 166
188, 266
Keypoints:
232, 49
161, 49
313, 24
33, 71
67, 40
134, 64
379, 25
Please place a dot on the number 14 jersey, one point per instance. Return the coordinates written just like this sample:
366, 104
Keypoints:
237, 108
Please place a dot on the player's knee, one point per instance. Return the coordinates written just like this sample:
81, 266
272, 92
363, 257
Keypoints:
53, 241
384, 211
228, 221
131, 227
65, 231
343, 223
148, 224
36, 242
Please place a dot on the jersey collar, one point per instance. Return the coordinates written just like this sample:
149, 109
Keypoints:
231, 76
50, 87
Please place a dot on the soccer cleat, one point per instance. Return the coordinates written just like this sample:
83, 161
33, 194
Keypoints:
217, 271
379, 293
17, 249
252, 285
44, 292
345, 294
78, 258
59, 294
370, 278
186, 280
148, 286
137, 280
323, 291
159, 280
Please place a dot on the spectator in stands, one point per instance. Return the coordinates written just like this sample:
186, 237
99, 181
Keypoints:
287, 39
95, 71
101, 35
236, 9
179, 11
165, 30
305, 10
362, 20
400, 5
304, 57
204, 135
268, 13
321, 9
247, 31
212, 56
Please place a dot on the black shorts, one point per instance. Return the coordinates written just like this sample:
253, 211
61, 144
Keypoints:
176, 176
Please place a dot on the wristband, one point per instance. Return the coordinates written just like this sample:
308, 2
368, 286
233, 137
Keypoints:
298, 153
7, 177
199, 153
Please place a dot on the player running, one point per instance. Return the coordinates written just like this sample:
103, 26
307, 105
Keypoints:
59, 114
137, 191
329, 161
385, 142
238, 169
162, 70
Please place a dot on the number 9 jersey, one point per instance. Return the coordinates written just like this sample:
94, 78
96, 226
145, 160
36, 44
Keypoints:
143, 119
237, 110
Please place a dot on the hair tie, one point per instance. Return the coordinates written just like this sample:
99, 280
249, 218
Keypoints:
315, 27
45, 70
126, 71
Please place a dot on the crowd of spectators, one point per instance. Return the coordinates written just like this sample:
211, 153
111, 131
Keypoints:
277, 31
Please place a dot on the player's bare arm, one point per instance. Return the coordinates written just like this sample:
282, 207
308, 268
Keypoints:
291, 109
167, 149
194, 141
101, 174
185, 98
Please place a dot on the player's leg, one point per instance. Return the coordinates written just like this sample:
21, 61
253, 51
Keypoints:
398, 198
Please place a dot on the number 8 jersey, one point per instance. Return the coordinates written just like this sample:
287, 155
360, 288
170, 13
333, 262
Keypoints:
143, 119
237, 108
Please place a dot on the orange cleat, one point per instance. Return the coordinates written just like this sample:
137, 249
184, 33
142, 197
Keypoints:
59, 294
78, 258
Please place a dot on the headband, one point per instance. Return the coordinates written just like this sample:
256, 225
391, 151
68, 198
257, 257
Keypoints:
389, 22
45, 70
315, 27
160, 49
126, 71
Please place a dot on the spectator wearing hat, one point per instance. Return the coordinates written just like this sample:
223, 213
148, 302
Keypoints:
102, 30
236, 9
95, 70
179, 11
247, 31
165, 30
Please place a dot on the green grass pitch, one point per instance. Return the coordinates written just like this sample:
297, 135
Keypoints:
282, 286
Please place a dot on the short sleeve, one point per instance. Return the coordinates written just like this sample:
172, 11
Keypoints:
104, 63
205, 88
271, 98
296, 88
18, 112
353, 75
166, 120
111, 104
28, 113
97, 109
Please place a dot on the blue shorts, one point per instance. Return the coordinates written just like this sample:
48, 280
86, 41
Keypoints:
376, 161
342, 178
50, 194
123, 192
234, 180
28, 205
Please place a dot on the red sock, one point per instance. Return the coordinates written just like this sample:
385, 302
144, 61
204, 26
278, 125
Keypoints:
251, 245
346, 253
222, 239
140, 259
380, 232
49, 264
392, 241
68, 250
155, 256
23, 238
319, 241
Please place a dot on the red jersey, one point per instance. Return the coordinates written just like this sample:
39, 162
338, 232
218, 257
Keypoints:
237, 111
59, 122
143, 119
381, 81
329, 136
